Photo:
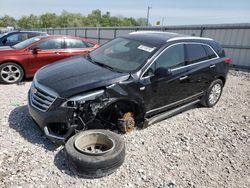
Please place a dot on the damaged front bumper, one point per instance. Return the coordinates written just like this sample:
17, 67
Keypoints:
51, 121
60, 123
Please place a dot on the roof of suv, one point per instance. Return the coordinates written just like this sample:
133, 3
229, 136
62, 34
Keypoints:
158, 38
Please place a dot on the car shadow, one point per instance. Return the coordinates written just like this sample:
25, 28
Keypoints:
60, 161
20, 120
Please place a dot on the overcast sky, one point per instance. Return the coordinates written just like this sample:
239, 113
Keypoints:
173, 12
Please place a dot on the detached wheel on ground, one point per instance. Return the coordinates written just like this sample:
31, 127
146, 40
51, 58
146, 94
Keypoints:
95, 153
10, 73
213, 94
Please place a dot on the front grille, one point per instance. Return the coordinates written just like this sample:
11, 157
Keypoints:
40, 99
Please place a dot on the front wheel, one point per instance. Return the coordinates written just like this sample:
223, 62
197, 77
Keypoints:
213, 94
11, 73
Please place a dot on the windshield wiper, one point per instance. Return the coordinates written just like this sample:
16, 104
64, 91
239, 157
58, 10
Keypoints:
101, 64
104, 65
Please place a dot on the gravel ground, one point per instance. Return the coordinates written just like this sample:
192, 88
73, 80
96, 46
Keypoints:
198, 148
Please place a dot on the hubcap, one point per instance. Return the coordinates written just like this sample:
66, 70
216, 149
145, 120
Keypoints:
214, 94
10, 73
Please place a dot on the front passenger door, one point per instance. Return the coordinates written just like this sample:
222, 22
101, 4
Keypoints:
50, 51
165, 90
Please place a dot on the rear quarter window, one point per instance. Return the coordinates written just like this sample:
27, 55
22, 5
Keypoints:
210, 52
89, 44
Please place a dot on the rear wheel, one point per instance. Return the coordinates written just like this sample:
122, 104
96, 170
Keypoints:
213, 94
11, 73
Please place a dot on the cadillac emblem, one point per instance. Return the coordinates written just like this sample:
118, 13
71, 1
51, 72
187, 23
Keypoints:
33, 90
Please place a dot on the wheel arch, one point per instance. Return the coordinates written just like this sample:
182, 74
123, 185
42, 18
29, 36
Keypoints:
136, 107
223, 79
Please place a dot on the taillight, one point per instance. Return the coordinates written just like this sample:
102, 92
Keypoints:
227, 60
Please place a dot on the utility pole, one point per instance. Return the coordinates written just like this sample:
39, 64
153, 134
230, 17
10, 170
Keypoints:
148, 15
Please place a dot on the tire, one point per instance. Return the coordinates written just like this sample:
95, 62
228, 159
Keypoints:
11, 73
95, 165
216, 85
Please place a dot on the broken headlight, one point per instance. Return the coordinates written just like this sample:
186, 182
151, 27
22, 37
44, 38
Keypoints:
82, 98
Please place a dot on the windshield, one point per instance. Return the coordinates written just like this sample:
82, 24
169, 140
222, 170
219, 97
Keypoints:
26, 43
123, 55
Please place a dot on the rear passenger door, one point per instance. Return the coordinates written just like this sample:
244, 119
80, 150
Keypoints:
200, 61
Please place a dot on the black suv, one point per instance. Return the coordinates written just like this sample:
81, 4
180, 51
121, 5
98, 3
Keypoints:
14, 37
129, 82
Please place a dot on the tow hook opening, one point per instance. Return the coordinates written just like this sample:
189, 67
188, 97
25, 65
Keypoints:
59, 129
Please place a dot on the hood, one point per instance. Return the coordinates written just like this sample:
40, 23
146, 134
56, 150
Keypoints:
75, 75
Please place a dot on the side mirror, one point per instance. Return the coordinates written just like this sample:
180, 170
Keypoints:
162, 72
4, 41
35, 50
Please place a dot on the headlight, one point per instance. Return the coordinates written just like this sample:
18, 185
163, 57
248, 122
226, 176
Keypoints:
82, 98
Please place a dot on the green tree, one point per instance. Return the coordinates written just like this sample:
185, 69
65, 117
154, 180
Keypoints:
106, 20
49, 20
94, 19
7, 21
67, 19
28, 22
129, 22
142, 21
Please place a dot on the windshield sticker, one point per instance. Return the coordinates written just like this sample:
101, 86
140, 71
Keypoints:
146, 48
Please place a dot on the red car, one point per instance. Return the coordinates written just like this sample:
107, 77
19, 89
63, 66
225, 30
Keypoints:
25, 58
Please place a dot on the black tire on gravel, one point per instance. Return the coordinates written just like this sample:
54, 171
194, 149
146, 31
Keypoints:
95, 165
205, 99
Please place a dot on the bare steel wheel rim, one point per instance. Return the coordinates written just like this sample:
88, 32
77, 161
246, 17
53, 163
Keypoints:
215, 93
10, 73
94, 143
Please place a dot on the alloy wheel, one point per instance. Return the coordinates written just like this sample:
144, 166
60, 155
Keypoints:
215, 93
10, 73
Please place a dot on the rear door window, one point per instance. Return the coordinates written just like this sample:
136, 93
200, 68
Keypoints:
195, 53
89, 44
18, 37
75, 43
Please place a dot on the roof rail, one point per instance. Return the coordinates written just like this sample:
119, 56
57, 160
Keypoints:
188, 38
136, 32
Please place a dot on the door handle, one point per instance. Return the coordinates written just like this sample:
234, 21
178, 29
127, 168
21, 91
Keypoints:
211, 66
58, 53
183, 77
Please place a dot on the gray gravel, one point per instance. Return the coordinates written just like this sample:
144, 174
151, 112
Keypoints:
198, 148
